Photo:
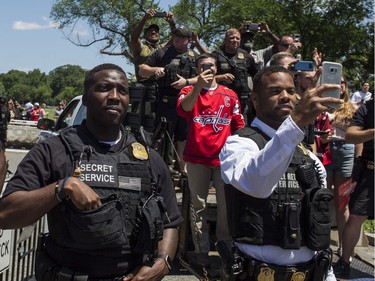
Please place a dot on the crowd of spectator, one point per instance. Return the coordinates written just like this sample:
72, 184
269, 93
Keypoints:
32, 111
236, 64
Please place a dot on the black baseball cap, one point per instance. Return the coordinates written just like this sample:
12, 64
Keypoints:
184, 30
152, 26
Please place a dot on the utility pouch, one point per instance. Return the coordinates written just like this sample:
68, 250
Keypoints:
101, 228
291, 231
358, 168
45, 268
318, 218
149, 227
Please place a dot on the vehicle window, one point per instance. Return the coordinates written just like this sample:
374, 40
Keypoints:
81, 115
65, 118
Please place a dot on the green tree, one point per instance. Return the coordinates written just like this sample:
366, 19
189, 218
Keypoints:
66, 76
111, 22
342, 30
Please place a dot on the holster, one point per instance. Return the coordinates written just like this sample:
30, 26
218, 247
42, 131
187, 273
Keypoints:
45, 268
231, 260
323, 264
148, 230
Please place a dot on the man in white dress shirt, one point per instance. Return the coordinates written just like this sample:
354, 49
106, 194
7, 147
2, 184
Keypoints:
271, 180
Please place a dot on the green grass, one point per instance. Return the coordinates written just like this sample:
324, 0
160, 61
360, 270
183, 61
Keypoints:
51, 113
369, 226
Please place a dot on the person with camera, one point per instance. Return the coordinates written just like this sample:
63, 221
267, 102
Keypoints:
276, 187
109, 199
141, 51
173, 69
235, 66
248, 32
213, 113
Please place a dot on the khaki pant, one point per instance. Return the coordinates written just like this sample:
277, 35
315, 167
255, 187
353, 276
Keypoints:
199, 177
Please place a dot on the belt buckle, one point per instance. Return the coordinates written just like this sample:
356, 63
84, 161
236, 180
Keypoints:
165, 99
266, 274
298, 276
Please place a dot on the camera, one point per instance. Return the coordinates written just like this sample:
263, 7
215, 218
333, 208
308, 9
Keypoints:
297, 38
160, 14
253, 27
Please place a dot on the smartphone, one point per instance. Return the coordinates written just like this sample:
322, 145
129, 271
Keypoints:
332, 72
297, 37
159, 14
206, 66
320, 133
303, 66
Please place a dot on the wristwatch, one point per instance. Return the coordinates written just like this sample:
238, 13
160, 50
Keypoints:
167, 260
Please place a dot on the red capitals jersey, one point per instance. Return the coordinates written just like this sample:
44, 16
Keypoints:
215, 116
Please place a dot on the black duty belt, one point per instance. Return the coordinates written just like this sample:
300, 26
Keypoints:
257, 270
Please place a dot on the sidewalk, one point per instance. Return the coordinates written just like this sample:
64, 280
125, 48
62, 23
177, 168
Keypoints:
362, 265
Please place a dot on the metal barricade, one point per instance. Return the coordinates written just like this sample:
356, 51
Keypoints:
22, 263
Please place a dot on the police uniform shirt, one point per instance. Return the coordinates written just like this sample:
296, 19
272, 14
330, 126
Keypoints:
263, 169
49, 161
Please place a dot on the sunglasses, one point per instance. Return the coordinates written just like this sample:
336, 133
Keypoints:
286, 45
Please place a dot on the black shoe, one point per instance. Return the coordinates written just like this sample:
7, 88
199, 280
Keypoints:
341, 269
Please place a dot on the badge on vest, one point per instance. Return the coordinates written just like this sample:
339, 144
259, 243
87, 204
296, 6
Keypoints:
139, 151
77, 172
241, 56
266, 274
191, 53
298, 276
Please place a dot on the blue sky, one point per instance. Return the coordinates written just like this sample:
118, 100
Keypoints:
30, 41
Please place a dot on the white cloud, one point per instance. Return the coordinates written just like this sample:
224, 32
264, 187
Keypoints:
21, 25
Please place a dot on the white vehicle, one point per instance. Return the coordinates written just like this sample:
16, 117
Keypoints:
73, 114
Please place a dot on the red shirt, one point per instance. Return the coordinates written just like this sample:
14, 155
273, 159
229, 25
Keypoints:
322, 123
215, 116
34, 114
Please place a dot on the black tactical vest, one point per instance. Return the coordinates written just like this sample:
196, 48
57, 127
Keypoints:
183, 65
123, 181
296, 214
238, 66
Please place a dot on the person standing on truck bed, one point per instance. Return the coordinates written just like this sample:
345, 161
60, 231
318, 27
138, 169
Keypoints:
110, 201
